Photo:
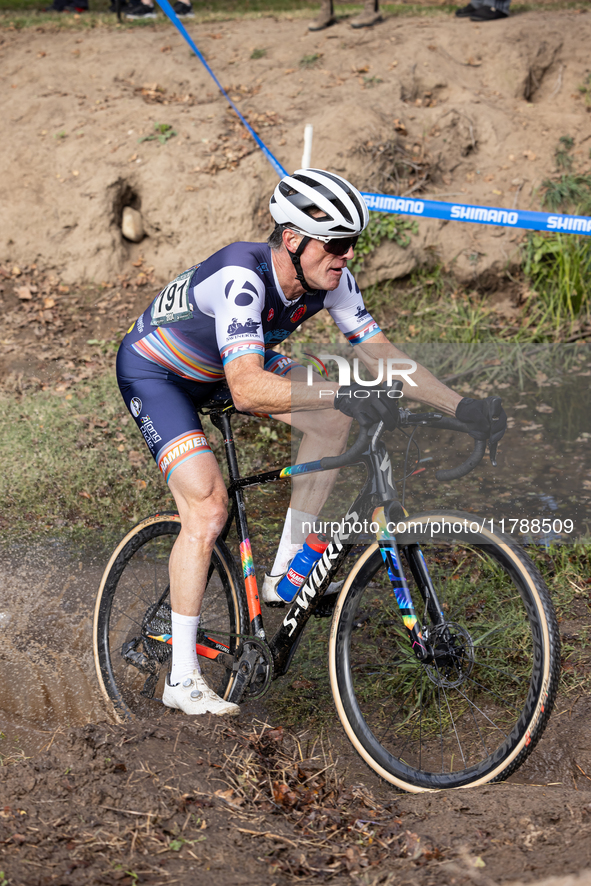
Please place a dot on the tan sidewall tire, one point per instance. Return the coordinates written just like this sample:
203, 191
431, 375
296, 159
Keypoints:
144, 524
487, 537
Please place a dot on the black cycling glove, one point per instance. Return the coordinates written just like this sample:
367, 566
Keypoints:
486, 419
368, 406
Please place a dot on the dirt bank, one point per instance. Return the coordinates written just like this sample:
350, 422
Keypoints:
165, 803
437, 106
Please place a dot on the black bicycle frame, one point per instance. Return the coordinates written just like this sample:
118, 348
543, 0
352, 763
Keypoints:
377, 503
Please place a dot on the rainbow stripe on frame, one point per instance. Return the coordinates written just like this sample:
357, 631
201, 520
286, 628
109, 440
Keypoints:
307, 467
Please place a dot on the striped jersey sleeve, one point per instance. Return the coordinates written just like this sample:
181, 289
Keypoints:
346, 307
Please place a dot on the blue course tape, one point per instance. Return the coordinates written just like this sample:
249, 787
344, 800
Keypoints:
169, 11
485, 215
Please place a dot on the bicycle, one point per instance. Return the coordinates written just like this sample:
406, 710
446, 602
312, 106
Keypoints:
443, 657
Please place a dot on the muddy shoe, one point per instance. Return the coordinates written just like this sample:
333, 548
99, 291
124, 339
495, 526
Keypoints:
193, 696
184, 10
325, 17
466, 11
487, 14
371, 15
139, 10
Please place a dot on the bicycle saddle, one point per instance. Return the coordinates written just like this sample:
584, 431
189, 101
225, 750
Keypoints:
219, 399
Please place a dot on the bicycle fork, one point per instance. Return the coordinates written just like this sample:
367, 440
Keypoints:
390, 551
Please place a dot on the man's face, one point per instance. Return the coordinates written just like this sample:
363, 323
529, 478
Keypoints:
321, 269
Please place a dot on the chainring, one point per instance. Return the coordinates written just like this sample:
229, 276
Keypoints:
262, 675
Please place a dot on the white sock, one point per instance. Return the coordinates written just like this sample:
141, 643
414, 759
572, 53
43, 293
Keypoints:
184, 654
292, 538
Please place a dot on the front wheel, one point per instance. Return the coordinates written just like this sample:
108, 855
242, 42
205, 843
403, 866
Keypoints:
476, 711
132, 621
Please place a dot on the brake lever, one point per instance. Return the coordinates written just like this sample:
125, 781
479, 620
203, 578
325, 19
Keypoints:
492, 451
496, 406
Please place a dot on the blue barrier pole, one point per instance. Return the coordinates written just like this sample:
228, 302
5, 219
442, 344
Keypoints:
483, 215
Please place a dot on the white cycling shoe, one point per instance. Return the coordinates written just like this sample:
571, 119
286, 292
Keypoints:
271, 582
193, 696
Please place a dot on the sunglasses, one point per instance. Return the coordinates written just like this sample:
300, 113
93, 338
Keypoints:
340, 245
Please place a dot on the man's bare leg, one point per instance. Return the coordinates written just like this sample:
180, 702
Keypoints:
325, 434
201, 499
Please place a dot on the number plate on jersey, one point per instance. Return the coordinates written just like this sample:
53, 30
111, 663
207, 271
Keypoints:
172, 303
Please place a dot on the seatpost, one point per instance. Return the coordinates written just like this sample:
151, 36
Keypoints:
222, 421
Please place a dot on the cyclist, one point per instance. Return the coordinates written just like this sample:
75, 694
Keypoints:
218, 321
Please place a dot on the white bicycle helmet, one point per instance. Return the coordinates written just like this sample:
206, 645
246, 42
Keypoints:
297, 195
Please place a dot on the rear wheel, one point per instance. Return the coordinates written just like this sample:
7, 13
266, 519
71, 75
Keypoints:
475, 712
133, 608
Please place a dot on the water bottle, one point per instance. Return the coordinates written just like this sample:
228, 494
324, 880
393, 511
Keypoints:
301, 566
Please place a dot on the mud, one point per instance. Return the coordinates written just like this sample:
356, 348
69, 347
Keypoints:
431, 105
174, 800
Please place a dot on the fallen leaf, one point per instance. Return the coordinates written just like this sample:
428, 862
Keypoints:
85, 495
543, 407
16, 271
230, 798
48, 303
529, 155
283, 795
24, 293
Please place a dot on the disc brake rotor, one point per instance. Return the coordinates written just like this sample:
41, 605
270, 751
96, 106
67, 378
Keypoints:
454, 658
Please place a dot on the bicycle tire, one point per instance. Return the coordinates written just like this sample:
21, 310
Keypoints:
422, 727
135, 579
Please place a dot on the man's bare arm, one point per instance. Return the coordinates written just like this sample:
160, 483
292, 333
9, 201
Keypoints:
255, 390
428, 389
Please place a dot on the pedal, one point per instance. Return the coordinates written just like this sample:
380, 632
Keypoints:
150, 685
138, 659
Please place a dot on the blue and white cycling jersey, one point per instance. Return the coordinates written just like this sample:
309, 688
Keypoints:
231, 305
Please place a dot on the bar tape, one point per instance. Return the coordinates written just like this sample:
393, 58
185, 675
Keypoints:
485, 215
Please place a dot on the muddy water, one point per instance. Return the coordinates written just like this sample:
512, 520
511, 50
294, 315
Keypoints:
48, 682
47, 675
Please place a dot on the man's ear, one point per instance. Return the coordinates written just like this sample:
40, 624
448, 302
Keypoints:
293, 239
